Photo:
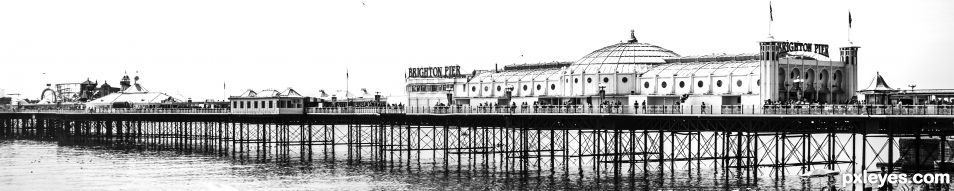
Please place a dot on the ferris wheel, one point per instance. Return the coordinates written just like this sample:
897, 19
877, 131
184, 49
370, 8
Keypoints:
48, 96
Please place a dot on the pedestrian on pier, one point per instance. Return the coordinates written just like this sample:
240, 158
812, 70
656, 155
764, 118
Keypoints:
636, 107
703, 107
644, 106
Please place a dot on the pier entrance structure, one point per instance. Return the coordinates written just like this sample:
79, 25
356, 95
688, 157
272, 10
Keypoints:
634, 71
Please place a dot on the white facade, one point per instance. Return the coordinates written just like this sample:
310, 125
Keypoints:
268, 102
632, 71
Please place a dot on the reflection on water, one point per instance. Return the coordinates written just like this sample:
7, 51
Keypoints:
36, 165
33, 165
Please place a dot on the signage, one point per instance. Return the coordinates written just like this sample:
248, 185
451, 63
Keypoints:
434, 72
806, 47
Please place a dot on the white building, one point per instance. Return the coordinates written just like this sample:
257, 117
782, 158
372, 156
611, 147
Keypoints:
634, 71
136, 97
268, 102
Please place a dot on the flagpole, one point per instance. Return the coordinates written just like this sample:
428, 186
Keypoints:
347, 82
849, 28
771, 20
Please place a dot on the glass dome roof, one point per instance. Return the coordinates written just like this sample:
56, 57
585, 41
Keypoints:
622, 56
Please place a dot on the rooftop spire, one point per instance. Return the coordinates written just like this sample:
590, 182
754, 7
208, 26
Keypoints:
632, 36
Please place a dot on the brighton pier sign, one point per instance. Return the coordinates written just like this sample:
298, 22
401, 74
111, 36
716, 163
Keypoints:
805, 47
434, 72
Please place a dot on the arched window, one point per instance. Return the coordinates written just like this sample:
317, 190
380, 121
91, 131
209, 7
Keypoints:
836, 78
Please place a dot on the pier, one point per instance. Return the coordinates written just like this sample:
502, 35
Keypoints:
612, 148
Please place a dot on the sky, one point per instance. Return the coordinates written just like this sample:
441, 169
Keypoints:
192, 48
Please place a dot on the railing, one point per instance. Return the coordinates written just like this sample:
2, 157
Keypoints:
858, 109
608, 109
355, 110
699, 109
122, 110
573, 109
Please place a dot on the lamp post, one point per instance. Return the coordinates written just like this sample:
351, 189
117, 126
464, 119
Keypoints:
914, 98
602, 92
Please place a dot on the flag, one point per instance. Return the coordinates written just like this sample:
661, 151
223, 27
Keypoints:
849, 19
771, 17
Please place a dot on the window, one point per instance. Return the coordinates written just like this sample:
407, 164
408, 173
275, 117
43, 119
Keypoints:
256, 105
473, 88
738, 83
270, 104
498, 88
699, 83
553, 86
248, 104
524, 87
719, 83
539, 86
682, 84
486, 88
646, 84
663, 84
625, 79
758, 82
605, 80
589, 80
576, 80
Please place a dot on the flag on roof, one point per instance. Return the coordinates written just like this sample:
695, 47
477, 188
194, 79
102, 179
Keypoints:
849, 19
